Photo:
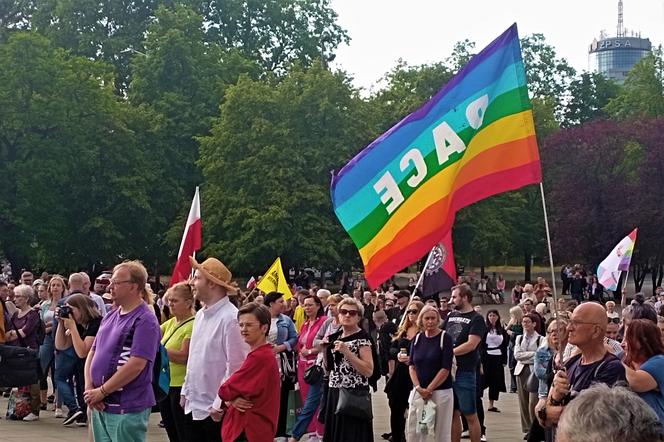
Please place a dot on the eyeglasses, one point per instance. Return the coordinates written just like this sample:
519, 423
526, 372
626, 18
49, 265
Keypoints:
412, 312
614, 320
351, 313
114, 282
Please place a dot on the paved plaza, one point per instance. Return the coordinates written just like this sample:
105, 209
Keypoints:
501, 427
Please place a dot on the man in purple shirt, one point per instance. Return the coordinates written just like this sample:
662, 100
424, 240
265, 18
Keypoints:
118, 370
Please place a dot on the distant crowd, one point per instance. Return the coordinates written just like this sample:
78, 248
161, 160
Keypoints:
305, 365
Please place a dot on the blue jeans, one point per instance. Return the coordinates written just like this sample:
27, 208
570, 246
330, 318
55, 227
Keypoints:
307, 414
66, 362
47, 353
465, 393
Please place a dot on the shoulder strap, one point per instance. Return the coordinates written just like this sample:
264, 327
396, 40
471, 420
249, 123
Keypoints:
442, 336
601, 364
176, 329
539, 338
417, 338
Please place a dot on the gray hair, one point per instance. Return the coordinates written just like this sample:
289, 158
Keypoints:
23, 290
609, 414
323, 292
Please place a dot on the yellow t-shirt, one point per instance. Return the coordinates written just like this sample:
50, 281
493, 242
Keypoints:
299, 318
179, 333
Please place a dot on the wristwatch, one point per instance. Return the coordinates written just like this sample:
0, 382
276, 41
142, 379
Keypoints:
555, 403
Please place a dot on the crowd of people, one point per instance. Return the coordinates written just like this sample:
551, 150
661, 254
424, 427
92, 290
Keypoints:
254, 366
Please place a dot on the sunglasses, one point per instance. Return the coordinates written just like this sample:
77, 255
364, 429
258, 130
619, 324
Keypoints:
614, 320
344, 312
412, 312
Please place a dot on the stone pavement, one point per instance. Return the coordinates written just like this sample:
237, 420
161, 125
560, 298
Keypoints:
501, 427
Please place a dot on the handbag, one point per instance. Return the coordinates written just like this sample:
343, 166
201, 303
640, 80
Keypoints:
294, 408
18, 405
532, 383
19, 366
313, 374
288, 367
354, 403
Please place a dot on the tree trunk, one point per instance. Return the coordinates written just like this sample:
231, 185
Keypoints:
640, 272
527, 265
655, 275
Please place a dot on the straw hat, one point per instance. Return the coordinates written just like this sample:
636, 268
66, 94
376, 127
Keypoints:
217, 272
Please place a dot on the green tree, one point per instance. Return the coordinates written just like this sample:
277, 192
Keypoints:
267, 165
276, 32
462, 52
548, 75
272, 33
407, 89
181, 79
642, 94
589, 94
74, 172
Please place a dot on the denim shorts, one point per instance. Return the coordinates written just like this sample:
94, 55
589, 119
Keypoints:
465, 394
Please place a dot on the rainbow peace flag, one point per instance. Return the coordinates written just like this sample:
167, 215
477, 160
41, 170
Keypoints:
475, 138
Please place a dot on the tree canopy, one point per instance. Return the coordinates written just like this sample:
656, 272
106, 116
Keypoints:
112, 112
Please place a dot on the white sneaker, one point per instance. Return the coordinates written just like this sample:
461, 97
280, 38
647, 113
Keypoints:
465, 434
483, 438
31, 417
59, 413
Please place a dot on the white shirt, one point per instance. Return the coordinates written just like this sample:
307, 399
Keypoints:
493, 342
101, 306
216, 351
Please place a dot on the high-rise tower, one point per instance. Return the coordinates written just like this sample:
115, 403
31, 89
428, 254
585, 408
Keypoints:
615, 56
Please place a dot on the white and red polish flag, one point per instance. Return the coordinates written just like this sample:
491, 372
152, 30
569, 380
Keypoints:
191, 242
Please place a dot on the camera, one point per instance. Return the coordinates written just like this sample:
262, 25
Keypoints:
65, 311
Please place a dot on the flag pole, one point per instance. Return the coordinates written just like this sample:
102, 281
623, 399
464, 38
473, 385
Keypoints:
553, 275
419, 281
193, 254
623, 292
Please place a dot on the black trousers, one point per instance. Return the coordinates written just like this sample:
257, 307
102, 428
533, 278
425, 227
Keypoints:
173, 416
398, 407
206, 430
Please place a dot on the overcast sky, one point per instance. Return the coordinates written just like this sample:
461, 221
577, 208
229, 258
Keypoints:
424, 31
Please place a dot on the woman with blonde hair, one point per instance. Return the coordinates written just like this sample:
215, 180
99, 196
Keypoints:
431, 359
351, 365
399, 384
176, 335
56, 289
513, 329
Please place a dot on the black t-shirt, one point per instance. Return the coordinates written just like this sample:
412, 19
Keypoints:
607, 371
90, 330
460, 326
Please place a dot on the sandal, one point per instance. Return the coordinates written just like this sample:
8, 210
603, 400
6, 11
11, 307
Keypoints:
494, 409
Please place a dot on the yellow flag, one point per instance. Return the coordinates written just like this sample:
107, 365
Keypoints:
274, 280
